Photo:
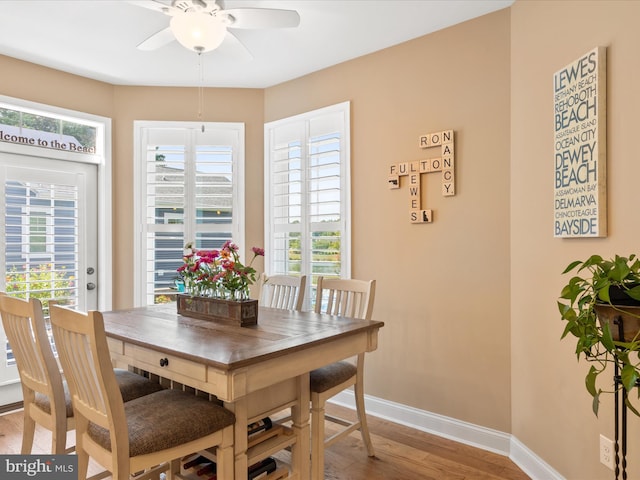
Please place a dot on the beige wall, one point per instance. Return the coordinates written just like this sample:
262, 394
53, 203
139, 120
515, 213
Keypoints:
551, 409
52, 87
443, 288
472, 331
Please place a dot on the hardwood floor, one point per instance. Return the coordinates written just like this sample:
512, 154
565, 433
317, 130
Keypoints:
402, 453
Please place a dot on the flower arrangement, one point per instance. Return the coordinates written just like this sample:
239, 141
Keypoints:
218, 273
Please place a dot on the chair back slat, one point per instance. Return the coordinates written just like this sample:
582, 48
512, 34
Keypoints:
88, 387
345, 297
25, 350
282, 296
282, 291
24, 326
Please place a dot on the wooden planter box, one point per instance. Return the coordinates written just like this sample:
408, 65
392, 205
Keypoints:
629, 316
242, 313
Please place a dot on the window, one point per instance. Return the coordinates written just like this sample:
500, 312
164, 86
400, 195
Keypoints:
47, 131
190, 188
37, 233
307, 195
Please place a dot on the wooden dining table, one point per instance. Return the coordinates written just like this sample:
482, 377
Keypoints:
255, 371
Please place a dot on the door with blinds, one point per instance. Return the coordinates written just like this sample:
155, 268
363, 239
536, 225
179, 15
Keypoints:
49, 226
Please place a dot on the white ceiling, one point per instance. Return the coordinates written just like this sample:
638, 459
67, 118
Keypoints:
98, 38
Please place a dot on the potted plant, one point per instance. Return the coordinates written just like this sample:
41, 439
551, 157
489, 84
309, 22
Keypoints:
216, 285
601, 305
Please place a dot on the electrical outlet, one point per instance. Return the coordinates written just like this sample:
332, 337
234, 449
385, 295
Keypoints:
606, 452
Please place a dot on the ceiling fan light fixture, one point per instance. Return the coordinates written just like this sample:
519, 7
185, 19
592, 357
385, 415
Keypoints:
198, 31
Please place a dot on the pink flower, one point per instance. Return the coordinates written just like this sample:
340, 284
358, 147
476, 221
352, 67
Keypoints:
218, 272
208, 256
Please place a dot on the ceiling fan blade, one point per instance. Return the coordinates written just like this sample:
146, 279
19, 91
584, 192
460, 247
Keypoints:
232, 47
156, 6
262, 18
157, 40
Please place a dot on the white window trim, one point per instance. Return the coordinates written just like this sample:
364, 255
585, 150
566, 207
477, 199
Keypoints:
103, 144
139, 203
343, 108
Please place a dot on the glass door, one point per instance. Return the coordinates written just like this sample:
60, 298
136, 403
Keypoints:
49, 223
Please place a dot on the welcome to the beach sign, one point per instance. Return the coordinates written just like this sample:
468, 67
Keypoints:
579, 92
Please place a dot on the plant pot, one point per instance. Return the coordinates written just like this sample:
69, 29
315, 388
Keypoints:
619, 296
242, 313
625, 318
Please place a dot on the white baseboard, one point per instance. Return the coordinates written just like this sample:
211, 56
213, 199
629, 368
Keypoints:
530, 463
459, 431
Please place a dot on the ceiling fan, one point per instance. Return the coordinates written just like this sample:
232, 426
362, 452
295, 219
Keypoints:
202, 25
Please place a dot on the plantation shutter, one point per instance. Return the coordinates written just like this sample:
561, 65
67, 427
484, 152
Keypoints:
192, 190
307, 195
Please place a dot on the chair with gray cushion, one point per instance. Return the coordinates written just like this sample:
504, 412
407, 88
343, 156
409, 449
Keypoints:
345, 298
45, 392
149, 434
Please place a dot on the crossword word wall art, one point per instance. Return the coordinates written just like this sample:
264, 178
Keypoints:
443, 164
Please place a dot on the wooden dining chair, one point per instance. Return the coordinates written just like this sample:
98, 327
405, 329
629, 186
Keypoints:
282, 291
345, 298
149, 434
45, 392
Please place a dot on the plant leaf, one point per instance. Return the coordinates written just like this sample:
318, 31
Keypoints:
570, 328
592, 260
596, 403
629, 377
571, 266
607, 339
620, 269
566, 311
590, 381
603, 293
634, 292
631, 407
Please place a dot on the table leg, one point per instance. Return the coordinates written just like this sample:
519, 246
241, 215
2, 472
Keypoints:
241, 464
300, 452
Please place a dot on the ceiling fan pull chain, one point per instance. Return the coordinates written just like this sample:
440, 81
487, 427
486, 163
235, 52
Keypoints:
200, 89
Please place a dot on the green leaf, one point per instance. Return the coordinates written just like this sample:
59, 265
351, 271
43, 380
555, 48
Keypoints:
596, 403
592, 260
571, 266
590, 381
634, 292
572, 290
566, 312
603, 293
629, 376
620, 269
623, 356
607, 339
631, 407
570, 328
